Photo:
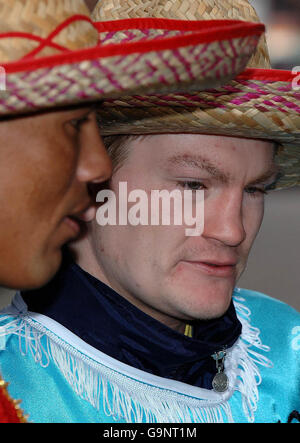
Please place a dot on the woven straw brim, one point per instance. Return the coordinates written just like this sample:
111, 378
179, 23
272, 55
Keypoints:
163, 56
188, 11
24, 24
259, 104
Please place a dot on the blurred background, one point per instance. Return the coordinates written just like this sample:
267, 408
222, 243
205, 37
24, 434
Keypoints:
282, 18
274, 264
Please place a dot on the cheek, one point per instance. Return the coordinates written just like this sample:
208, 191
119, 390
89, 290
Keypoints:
16, 192
253, 217
32, 192
252, 220
56, 172
138, 251
40, 175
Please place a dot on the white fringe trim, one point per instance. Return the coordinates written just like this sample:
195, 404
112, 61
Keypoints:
126, 398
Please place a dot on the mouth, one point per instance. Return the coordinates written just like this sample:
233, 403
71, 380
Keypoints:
74, 225
214, 268
83, 215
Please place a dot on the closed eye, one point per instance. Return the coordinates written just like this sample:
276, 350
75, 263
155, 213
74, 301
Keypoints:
191, 185
78, 122
264, 189
254, 191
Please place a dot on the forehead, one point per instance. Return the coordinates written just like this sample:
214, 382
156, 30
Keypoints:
220, 156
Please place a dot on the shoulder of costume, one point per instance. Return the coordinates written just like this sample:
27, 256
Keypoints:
278, 322
257, 301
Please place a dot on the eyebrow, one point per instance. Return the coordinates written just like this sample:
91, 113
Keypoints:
273, 171
199, 162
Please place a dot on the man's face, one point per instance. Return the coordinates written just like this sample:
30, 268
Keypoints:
46, 162
165, 273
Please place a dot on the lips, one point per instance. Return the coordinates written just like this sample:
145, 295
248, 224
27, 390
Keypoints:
74, 225
84, 214
87, 215
218, 263
226, 268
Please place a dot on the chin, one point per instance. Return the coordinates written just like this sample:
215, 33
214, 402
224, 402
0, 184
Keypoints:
208, 311
206, 302
40, 271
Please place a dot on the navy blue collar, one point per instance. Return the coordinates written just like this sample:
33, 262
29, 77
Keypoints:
104, 319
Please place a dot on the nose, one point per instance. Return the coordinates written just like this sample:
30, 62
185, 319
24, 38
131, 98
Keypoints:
94, 163
223, 220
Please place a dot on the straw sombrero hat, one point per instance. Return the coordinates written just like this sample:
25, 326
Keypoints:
52, 54
260, 103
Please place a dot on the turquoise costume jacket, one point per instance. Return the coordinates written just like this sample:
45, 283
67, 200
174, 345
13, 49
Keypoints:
60, 378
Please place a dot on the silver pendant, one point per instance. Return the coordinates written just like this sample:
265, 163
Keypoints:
220, 382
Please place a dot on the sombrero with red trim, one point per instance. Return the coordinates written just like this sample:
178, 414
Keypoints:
52, 54
260, 103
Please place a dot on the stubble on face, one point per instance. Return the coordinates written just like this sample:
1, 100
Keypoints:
159, 269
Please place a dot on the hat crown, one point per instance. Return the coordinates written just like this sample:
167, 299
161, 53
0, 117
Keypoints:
40, 18
106, 10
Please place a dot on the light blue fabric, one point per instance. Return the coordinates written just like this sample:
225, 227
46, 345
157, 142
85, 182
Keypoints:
48, 398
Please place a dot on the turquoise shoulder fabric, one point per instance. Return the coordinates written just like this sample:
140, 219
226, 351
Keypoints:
60, 379
279, 326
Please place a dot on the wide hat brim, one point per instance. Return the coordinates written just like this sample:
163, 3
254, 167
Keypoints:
166, 56
257, 104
